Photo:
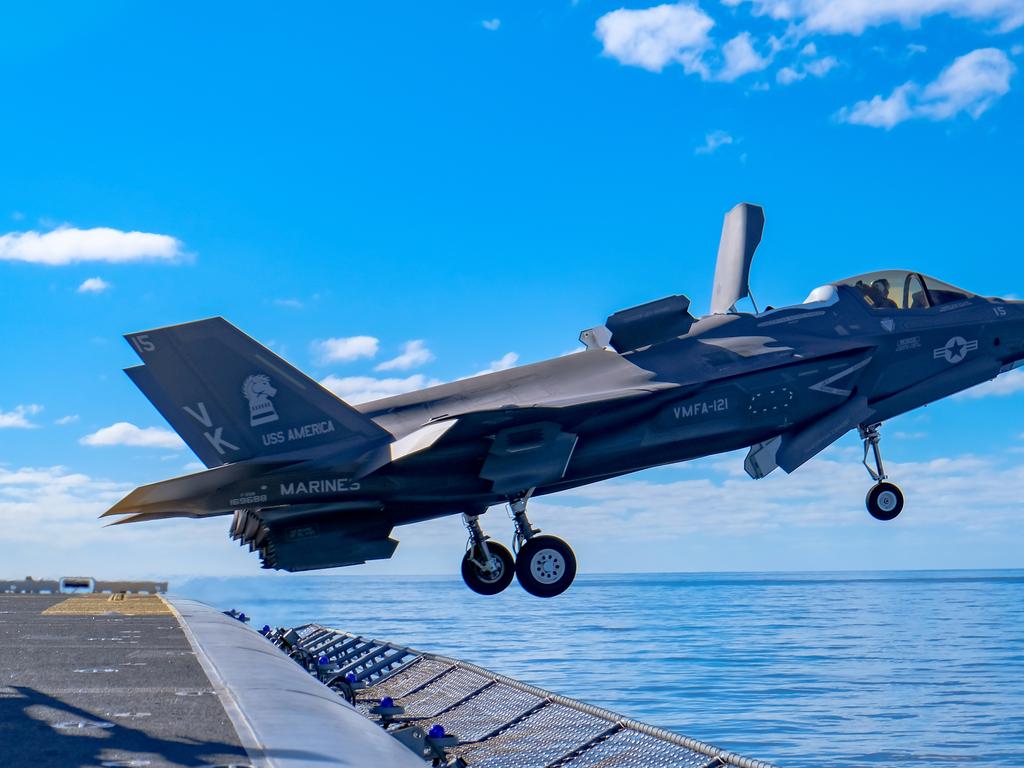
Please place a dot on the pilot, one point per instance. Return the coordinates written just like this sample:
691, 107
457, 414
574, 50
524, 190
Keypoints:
880, 289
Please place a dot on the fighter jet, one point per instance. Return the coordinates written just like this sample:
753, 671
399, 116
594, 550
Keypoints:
314, 482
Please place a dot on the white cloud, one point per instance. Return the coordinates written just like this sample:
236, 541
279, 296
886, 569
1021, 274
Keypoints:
1017, 50
288, 303
414, 353
854, 16
653, 38
20, 417
910, 435
1007, 384
65, 420
800, 71
49, 515
740, 59
363, 389
913, 48
713, 141
125, 433
69, 245
881, 112
503, 363
346, 349
971, 84
52, 505
94, 285
491, 24
788, 75
821, 67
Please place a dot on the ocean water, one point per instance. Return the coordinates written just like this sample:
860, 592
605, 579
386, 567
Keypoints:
803, 669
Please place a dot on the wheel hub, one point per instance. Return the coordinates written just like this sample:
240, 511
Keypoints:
547, 566
887, 501
492, 570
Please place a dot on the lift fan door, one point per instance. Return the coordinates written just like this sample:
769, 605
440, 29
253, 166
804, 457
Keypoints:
741, 234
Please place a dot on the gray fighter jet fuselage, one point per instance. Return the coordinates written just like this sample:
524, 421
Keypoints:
313, 482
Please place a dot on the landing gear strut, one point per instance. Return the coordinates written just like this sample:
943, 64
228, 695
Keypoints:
545, 565
488, 566
885, 499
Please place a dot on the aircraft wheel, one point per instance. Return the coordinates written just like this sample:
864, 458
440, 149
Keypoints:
494, 580
885, 501
545, 566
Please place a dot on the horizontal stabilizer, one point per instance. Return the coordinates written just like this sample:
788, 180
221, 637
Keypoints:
144, 517
178, 489
232, 399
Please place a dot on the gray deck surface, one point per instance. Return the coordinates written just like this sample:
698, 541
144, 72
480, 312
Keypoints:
105, 681
102, 691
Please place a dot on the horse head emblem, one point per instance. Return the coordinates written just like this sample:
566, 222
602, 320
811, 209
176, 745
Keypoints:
258, 390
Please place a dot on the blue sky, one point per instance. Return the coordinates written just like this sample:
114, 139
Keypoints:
488, 179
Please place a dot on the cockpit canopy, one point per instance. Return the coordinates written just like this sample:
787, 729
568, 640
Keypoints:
900, 289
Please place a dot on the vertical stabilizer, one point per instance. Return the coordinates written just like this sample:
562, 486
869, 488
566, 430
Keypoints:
232, 399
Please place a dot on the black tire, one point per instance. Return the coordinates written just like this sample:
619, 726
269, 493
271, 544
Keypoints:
545, 566
884, 501
489, 583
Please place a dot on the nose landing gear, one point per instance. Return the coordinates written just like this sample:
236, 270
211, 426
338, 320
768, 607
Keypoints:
885, 500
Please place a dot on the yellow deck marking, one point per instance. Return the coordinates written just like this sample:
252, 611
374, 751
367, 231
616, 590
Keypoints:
101, 604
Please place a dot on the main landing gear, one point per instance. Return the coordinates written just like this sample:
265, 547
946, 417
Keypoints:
488, 566
885, 499
544, 565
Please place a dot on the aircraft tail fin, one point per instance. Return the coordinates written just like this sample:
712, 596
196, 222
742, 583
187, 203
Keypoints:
232, 399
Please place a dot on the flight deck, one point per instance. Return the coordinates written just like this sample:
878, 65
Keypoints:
120, 680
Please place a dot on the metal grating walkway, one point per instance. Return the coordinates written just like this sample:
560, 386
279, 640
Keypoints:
500, 722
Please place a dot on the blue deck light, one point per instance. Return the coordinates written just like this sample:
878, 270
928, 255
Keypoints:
436, 731
265, 630
387, 701
323, 660
350, 676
